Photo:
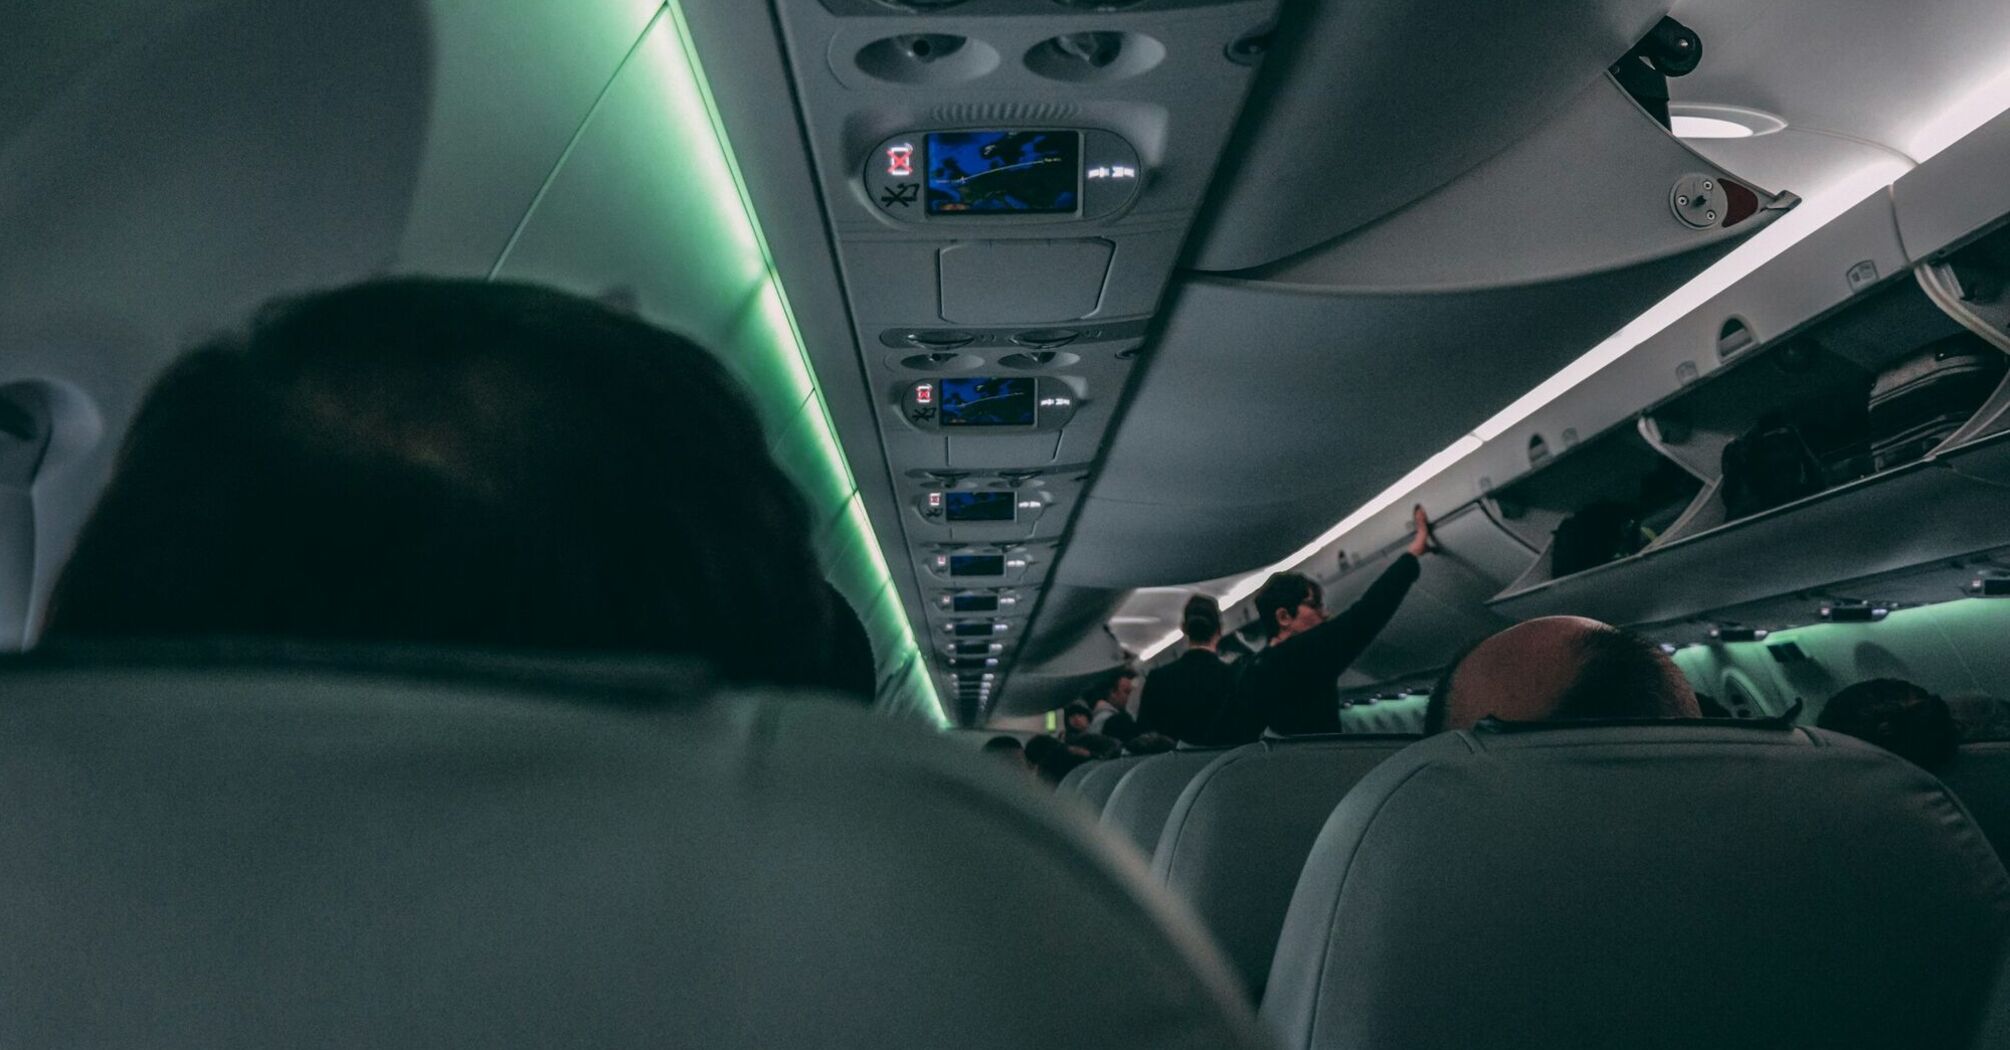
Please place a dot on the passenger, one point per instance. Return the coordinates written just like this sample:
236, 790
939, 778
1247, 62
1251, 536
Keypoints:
1707, 706
1052, 759
1075, 732
1149, 744
462, 463
1980, 716
1559, 668
1009, 750
1110, 714
1898, 716
1182, 698
1293, 685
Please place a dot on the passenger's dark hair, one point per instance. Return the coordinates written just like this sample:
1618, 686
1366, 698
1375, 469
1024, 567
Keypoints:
1200, 621
1284, 591
1004, 743
1050, 758
1620, 675
456, 462
1898, 716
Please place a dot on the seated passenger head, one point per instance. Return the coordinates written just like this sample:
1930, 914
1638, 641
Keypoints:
1898, 716
1076, 716
1200, 621
1118, 691
1290, 603
455, 462
1556, 668
1980, 716
1007, 748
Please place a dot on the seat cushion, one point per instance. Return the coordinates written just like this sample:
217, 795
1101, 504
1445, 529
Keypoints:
1667, 886
360, 852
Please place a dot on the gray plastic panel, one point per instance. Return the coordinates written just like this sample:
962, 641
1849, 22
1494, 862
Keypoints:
1539, 211
1352, 374
1957, 193
1023, 282
1324, 106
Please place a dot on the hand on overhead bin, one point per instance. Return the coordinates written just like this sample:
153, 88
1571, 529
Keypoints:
1420, 544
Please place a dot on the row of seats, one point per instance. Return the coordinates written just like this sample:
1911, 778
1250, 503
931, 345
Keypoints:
1379, 891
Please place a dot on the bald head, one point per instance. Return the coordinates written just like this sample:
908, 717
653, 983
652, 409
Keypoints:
1560, 667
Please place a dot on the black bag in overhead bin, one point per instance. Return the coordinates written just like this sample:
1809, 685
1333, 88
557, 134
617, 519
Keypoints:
1768, 465
1917, 403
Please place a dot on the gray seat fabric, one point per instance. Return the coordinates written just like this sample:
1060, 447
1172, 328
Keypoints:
1145, 794
1980, 777
1099, 779
1667, 886
1239, 834
237, 856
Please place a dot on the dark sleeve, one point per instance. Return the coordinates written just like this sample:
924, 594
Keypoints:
1328, 649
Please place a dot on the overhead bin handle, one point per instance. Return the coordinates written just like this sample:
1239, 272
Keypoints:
1735, 336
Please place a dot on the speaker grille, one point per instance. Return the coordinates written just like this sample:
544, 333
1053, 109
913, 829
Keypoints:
1005, 113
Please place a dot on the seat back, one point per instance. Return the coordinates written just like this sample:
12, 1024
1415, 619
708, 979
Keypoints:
1980, 777
1100, 778
1239, 834
1681, 885
393, 855
1145, 794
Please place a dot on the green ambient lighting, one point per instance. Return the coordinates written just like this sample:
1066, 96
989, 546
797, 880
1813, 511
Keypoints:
1951, 647
805, 440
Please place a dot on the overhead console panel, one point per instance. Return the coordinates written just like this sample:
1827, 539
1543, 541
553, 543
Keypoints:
1007, 185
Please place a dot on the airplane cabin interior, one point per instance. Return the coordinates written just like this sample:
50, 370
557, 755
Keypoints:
1687, 317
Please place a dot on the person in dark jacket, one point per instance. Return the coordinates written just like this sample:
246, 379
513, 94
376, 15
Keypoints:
1182, 698
1293, 685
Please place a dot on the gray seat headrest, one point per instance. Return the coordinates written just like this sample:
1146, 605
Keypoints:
1100, 778
1239, 834
234, 856
1144, 796
1668, 886
1980, 777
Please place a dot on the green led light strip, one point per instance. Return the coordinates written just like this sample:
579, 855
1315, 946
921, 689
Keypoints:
855, 537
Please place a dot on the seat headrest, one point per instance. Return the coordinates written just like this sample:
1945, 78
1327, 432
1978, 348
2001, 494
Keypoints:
1680, 885
234, 854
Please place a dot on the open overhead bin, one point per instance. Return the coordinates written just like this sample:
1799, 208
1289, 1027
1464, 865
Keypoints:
1854, 433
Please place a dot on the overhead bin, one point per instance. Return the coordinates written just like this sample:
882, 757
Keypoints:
1379, 102
1925, 513
1957, 194
1598, 187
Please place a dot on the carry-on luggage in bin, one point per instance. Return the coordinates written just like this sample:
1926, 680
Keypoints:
1917, 403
